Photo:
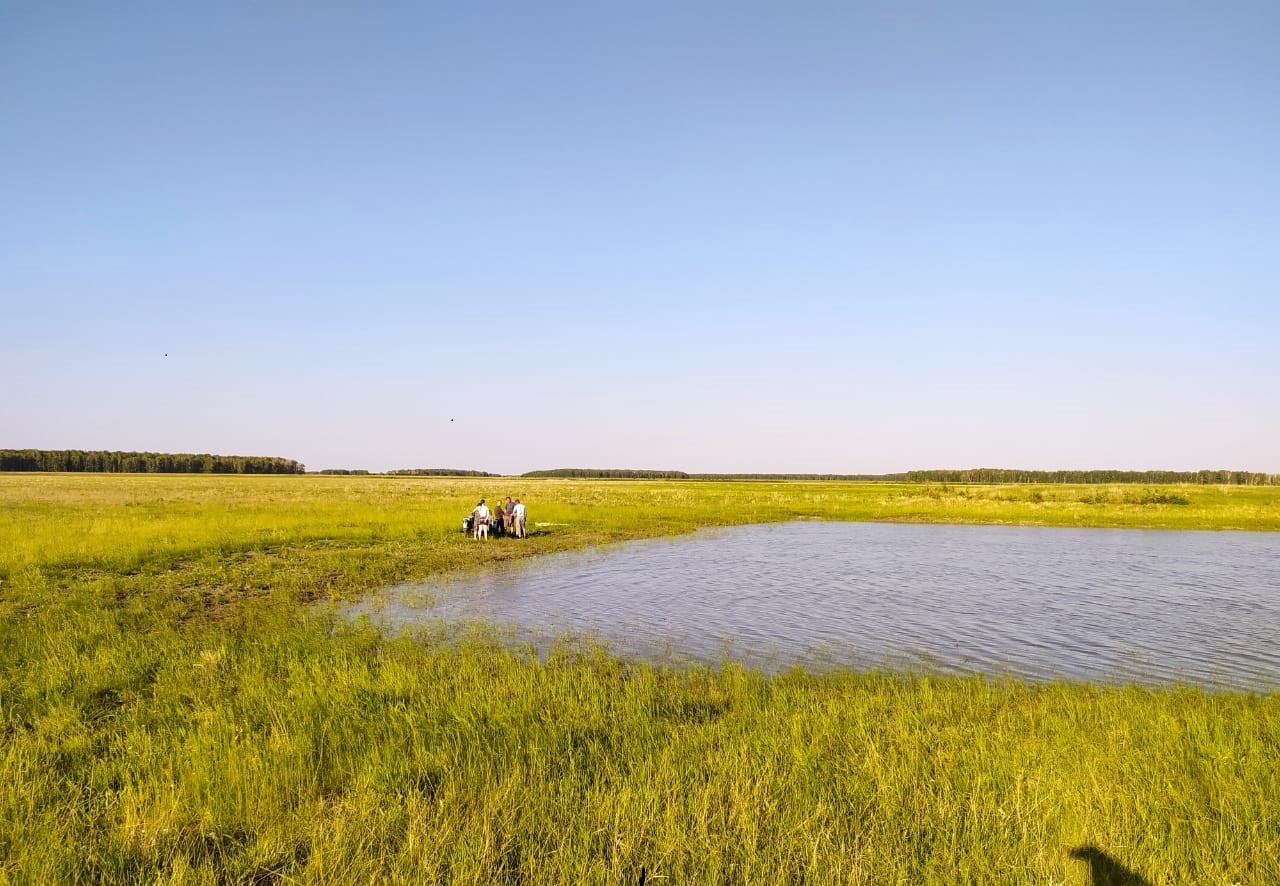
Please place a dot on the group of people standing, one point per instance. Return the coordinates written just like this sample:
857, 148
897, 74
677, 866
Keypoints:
507, 519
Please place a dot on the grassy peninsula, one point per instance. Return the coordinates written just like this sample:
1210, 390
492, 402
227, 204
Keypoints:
178, 705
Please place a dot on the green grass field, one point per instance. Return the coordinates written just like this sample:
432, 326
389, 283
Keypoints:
179, 705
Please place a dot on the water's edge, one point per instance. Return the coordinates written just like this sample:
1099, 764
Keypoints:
1153, 607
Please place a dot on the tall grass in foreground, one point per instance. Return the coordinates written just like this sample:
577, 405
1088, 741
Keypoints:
170, 711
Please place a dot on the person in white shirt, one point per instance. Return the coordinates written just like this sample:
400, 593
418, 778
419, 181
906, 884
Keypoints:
480, 521
519, 519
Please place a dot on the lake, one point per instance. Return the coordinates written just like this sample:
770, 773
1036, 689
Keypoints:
1105, 605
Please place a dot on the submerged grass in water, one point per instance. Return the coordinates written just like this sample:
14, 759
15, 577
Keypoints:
171, 711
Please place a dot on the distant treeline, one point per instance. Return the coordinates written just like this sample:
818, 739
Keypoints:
440, 472
599, 474
184, 463
98, 461
862, 477
1004, 475
975, 475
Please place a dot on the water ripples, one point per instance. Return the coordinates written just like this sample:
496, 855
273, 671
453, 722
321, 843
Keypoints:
1114, 606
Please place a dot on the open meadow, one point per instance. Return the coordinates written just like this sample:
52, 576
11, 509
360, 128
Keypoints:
180, 704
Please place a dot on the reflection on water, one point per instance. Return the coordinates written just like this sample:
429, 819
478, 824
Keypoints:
1095, 604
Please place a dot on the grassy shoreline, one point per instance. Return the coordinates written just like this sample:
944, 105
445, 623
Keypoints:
171, 711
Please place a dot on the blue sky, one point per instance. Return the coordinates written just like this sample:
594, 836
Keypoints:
844, 237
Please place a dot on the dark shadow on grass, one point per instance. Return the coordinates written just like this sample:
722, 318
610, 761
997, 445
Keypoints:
1105, 870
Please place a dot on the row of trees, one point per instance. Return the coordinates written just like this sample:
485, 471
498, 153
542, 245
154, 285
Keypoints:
99, 461
439, 472
184, 463
974, 475
795, 476
609, 474
1004, 475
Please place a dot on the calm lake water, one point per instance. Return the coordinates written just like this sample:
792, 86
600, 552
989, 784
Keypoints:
1115, 606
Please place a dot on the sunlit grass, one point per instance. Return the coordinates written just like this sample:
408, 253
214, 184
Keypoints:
119, 522
177, 704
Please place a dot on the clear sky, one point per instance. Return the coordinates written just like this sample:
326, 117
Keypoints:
836, 237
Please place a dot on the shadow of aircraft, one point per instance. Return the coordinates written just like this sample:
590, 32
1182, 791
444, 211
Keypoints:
1105, 870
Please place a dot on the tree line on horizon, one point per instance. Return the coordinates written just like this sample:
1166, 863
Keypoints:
973, 475
1006, 475
438, 472
111, 462
102, 461
607, 474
